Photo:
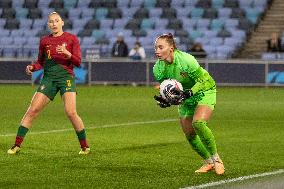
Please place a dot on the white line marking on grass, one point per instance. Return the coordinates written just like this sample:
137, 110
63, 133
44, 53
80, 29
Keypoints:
235, 179
97, 127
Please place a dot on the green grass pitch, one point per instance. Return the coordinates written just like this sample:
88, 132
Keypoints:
134, 143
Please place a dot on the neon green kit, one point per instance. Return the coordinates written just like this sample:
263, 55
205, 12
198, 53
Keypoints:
191, 75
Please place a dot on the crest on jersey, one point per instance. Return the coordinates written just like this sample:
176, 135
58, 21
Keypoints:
42, 87
183, 74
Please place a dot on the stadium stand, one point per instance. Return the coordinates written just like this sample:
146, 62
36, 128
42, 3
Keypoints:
223, 23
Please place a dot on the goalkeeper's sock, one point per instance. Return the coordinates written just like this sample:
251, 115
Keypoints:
82, 138
22, 131
205, 135
198, 146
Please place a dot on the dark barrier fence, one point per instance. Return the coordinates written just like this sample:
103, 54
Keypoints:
125, 71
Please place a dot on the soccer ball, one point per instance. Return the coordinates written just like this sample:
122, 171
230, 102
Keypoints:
167, 86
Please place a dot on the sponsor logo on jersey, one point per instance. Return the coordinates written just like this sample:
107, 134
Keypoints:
183, 74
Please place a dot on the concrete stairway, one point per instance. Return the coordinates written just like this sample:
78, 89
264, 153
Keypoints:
273, 21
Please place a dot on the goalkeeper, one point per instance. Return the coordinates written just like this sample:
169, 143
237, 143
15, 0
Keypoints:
196, 102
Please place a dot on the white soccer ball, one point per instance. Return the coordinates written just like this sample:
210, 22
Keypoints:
167, 86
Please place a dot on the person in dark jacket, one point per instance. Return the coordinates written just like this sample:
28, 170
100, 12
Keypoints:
120, 48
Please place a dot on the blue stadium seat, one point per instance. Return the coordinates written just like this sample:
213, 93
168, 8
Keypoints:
17, 33
224, 12
26, 23
122, 3
74, 13
177, 4
18, 3
70, 4
155, 12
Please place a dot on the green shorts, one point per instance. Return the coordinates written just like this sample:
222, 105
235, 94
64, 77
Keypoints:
208, 98
50, 87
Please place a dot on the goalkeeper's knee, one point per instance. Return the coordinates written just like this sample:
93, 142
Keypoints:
199, 124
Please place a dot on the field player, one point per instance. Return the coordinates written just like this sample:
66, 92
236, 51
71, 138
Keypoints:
59, 52
196, 104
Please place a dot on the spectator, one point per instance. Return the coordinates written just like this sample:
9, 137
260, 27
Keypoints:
120, 48
274, 43
137, 52
198, 51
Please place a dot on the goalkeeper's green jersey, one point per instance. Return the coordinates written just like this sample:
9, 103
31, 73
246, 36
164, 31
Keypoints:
186, 70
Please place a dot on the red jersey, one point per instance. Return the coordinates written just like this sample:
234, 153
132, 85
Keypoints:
51, 61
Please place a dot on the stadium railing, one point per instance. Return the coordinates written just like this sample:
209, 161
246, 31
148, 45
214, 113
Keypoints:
232, 72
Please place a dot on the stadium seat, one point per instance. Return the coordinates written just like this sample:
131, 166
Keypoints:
218, 4
122, 3
21, 12
34, 13
74, 13
174, 24
26, 23
43, 4
8, 13
83, 4
190, 3
69, 4
147, 24
30, 4
141, 13
18, 3
177, 4
92, 24
137, 3
224, 12
98, 34
56, 4
169, 13
17, 33
106, 24
12, 24
163, 3
39, 24
197, 13
210, 13
5, 4
101, 13
149, 3
114, 13
205, 4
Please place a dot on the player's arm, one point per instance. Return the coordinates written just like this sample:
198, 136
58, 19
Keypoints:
38, 64
76, 53
158, 74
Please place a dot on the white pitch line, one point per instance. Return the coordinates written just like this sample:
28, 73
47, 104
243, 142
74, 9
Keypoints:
97, 127
235, 179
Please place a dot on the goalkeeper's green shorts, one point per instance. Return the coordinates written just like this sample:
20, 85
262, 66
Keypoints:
50, 87
208, 98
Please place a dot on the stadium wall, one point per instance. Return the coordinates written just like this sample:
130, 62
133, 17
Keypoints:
126, 71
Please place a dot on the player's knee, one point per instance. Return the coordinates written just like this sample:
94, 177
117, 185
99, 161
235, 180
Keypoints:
71, 113
199, 124
33, 112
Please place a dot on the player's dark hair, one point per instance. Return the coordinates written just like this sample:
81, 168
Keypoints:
169, 39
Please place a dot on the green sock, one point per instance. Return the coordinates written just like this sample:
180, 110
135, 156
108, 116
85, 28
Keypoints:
205, 135
22, 131
198, 146
82, 138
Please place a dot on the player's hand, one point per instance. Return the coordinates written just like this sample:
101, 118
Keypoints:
61, 49
179, 96
29, 69
163, 103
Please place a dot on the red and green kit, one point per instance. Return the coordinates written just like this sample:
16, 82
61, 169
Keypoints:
58, 69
